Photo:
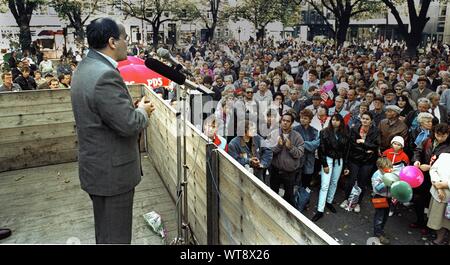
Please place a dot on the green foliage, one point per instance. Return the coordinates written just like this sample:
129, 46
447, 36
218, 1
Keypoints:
289, 13
258, 12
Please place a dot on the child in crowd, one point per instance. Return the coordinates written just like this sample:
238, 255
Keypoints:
382, 195
399, 160
396, 154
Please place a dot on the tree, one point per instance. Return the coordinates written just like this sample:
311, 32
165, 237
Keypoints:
210, 24
413, 37
73, 11
156, 12
22, 11
260, 13
290, 13
343, 11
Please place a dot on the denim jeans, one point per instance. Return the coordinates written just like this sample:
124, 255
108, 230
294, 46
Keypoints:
329, 182
380, 218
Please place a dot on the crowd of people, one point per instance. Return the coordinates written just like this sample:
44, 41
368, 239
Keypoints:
298, 114
25, 72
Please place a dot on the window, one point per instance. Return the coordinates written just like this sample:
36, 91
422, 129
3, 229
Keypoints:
51, 11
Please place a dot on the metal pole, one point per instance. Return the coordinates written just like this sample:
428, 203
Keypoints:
179, 168
185, 202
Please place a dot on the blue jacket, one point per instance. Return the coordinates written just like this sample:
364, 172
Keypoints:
239, 150
312, 142
378, 185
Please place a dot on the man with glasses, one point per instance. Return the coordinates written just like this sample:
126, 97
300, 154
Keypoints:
108, 127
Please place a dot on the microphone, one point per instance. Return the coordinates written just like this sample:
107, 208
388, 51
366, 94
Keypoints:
165, 71
165, 54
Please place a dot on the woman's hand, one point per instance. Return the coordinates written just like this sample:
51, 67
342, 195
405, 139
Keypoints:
440, 185
425, 167
441, 195
360, 141
346, 172
326, 170
417, 164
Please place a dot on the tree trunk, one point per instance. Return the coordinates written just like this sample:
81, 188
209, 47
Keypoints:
341, 33
412, 42
211, 31
155, 36
260, 34
25, 36
79, 33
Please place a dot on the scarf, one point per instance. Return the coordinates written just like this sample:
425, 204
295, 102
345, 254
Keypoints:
423, 135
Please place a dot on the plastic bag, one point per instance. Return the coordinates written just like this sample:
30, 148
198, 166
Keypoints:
154, 220
354, 197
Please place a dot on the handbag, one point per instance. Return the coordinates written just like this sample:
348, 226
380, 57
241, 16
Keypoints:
380, 203
447, 211
301, 198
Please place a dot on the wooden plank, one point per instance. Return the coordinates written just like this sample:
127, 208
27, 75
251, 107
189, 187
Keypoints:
34, 97
26, 120
31, 109
38, 158
37, 132
38, 147
286, 217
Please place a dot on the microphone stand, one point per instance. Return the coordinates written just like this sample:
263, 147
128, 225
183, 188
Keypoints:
181, 199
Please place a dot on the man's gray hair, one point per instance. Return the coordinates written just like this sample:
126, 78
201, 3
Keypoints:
432, 95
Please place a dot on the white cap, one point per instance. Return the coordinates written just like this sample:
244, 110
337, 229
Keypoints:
399, 140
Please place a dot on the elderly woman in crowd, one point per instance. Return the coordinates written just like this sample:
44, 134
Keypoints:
440, 197
425, 155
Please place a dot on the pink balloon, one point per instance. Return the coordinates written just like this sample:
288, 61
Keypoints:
327, 86
411, 175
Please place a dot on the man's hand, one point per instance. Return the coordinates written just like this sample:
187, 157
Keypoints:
288, 144
346, 172
417, 164
146, 105
360, 141
254, 161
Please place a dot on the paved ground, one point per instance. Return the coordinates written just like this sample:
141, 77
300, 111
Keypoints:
45, 205
350, 228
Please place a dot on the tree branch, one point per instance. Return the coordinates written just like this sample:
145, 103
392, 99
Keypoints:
394, 12
322, 15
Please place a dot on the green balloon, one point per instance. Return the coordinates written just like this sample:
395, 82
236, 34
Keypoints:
390, 178
401, 191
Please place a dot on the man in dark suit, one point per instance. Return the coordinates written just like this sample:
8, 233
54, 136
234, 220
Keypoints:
294, 102
438, 111
108, 126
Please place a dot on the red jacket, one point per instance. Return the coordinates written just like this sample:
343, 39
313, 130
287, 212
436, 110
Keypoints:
398, 158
